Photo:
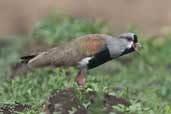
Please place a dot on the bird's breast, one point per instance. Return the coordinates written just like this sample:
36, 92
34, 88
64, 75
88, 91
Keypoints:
99, 58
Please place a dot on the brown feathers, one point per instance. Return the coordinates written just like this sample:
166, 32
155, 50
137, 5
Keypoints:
91, 45
68, 54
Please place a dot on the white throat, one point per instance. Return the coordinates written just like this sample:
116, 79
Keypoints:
129, 45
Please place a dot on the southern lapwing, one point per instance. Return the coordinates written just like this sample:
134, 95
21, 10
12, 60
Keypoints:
85, 52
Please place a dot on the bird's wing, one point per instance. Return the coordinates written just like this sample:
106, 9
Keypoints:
85, 47
70, 54
91, 44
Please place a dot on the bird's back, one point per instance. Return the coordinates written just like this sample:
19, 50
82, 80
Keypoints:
69, 54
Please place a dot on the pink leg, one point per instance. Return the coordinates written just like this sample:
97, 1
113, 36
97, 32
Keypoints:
81, 78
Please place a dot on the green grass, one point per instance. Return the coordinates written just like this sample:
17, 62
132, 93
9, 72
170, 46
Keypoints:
61, 27
145, 81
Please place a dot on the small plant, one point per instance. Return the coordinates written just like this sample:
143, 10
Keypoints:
135, 108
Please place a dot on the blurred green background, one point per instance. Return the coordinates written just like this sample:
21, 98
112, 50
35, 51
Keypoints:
144, 80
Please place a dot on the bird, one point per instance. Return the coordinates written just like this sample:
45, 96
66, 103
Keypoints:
84, 53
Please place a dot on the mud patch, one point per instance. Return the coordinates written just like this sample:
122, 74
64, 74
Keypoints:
110, 101
13, 108
64, 101
67, 101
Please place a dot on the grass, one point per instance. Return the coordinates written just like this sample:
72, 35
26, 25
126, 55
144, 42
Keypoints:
61, 28
144, 79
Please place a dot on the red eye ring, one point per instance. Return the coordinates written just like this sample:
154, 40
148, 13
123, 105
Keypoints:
129, 39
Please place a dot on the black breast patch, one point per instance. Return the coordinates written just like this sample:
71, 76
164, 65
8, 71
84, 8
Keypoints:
99, 58
126, 51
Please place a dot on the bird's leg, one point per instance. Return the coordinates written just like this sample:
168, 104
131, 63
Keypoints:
81, 77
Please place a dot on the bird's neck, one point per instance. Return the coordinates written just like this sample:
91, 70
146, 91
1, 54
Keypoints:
126, 51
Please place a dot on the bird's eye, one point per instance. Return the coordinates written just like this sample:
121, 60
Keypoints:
129, 39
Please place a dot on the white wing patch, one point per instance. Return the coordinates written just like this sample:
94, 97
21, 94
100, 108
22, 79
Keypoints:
37, 57
84, 62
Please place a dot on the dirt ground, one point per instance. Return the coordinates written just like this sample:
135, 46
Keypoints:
66, 100
13, 108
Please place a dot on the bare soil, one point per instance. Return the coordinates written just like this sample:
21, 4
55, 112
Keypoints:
13, 108
66, 100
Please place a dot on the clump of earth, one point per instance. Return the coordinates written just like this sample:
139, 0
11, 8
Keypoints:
13, 108
66, 101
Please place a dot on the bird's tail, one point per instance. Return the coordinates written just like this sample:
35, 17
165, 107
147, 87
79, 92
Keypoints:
26, 59
21, 67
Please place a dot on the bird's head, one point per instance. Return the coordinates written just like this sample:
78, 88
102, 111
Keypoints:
131, 42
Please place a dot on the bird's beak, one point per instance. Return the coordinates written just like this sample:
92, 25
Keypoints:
137, 47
